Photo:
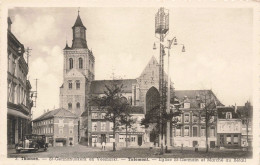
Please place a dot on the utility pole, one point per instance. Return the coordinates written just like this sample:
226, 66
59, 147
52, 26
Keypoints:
28, 55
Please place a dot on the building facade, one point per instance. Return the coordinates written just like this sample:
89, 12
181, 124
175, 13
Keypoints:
102, 130
190, 127
78, 72
229, 127
19, 103
60, 127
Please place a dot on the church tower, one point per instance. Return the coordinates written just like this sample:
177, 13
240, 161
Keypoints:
78, 71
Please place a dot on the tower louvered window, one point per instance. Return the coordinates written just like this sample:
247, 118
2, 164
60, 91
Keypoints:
71, 63
80, 63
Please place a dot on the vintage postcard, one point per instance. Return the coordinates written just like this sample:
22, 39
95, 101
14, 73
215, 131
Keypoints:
130, 82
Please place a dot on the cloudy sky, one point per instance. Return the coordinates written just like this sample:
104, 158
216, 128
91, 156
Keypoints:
218, 45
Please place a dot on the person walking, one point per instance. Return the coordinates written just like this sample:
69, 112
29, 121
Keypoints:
103, 146
196, 148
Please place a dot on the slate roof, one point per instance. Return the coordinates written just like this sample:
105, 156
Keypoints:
223, 110
78, 22
60, 112
194, 97
99, 86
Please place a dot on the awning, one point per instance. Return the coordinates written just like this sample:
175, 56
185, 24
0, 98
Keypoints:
17, 113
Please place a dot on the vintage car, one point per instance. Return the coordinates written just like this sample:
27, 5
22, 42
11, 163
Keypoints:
32, 143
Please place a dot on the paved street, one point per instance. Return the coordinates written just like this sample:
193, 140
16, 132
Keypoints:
87, 152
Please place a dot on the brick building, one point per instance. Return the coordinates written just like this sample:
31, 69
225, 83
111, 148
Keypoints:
19, 103
60, 127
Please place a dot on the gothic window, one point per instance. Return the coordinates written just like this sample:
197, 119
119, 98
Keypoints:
70, 106
71, 63
78, 105
80, 63
70, 85
77, 84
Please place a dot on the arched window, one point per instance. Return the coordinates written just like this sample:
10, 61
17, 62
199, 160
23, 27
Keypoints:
70, 106
71, 63
80, 63
78, 105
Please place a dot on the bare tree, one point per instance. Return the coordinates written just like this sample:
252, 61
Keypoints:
209, 109
112, 105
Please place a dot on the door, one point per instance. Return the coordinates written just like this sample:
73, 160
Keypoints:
194, 143
221, 140
103, 138
140, 140
212, 144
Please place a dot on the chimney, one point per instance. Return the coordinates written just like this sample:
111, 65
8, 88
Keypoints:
235, 108
9, 23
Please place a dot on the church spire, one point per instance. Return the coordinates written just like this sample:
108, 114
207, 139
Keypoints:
79, 34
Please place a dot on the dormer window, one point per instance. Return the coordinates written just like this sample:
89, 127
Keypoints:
186, 105
228, 115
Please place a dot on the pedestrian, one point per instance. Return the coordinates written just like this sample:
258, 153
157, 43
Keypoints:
196, 148
181, 147
103, 146
26, 143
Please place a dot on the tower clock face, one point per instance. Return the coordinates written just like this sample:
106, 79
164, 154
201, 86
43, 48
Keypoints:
77, 32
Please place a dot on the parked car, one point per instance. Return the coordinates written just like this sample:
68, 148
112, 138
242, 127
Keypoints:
32, 143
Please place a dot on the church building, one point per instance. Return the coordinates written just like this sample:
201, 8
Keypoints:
78, 72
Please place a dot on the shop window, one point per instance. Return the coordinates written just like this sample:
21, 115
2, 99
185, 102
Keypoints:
228, 139
235, 139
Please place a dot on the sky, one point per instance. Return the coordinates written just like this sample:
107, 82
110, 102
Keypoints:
218, 42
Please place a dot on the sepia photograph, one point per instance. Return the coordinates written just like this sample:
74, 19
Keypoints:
158, 83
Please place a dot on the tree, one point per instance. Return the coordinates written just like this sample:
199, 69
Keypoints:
209, 105
126, 119
246, 117
111, 103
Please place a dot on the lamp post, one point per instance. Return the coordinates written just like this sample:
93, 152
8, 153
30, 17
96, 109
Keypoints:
171, 42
